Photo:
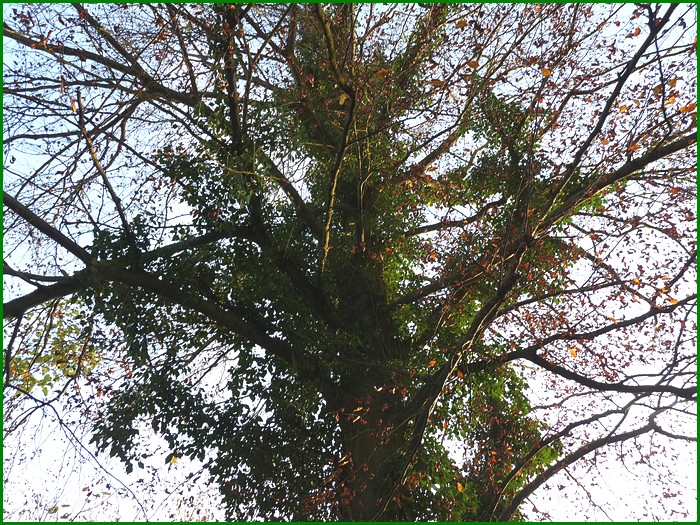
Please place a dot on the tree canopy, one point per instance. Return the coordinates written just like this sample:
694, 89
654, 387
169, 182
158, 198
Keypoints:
397, 262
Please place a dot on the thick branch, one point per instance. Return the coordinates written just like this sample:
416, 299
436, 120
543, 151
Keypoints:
629, 168
622, 79
149, 83
19, 306
224, 318
569, 460
686, 393
45, 228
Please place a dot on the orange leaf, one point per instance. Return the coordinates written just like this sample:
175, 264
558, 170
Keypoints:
546, 72
473, 64
432, 363
623, 109
604, 141
672, 82
461, 23
634, 147
460, 487
690, 106
672, 300
460, 374
572, 351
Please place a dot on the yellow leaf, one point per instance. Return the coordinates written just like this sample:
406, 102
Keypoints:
636, 281
473, 64
461, 23
432, 363
343, 99
572, 351
460, 487
670, 101
546, 72
623, 109
53, 510
672, 300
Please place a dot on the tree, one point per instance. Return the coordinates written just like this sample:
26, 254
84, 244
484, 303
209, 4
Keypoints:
324, 247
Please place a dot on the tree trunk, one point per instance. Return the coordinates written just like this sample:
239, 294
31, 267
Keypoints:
374, 444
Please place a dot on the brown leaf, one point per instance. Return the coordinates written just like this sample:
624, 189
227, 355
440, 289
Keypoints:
382, 73
473, 64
